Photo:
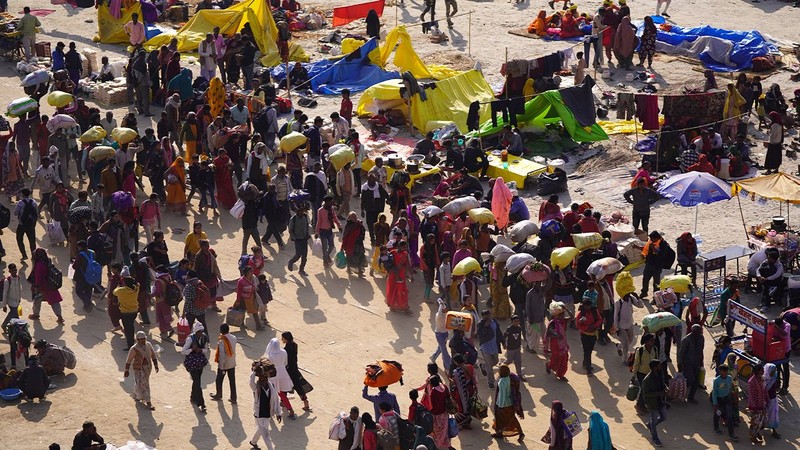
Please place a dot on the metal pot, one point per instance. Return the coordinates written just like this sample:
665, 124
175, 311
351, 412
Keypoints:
412, 167
395, 161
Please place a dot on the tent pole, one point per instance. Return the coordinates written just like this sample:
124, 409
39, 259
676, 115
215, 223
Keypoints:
395, 14
506, 87
469, 35
744, 225
288, 82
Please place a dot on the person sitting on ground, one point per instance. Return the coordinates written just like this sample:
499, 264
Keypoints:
513, 140
467, 184
50, 357
298, 76
86, 438
702, 165
454, 160
644, 173
427, 148
379, 123
474, 159
689, 157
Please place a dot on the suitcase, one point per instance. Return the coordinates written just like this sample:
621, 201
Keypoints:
235, 317
456, 320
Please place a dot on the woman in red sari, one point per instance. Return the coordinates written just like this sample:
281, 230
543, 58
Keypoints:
557, 337
396, 287
223, 179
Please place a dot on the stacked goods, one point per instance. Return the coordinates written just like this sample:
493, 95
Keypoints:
263, 367
91, 59
109, 92
632, 249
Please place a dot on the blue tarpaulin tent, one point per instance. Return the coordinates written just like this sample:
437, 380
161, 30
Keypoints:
354, 71
718, 49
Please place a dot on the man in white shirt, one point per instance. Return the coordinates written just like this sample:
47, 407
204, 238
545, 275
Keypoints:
109, 123
226, 362
379, 172
12, 293
208, 57
341, 129
46, 178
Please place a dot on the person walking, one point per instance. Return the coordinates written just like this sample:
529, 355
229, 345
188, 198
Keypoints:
326, 220
299, 232
246, 295
641, 197
373, 202
534, 311
282, 381
588, 320
12, 295
442, 333
142, 358
88, 274
646, 352
512, 340
757, 400
507, 404
722, 400
266, 405
353, 244
299, 383
654, 397
191, 311
27, 29
623, 322
383, 396
556, 335
196, 349
655, 253
491, 344
40, 288
250, 224
27, 214
690, 359
127, 295
225, 357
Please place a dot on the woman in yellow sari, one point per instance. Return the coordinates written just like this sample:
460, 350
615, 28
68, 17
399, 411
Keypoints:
189, 134
176, 186
215, 94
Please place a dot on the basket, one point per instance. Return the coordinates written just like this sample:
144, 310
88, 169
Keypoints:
42, 49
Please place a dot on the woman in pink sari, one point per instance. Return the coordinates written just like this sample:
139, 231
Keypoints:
396, 287
556, 335
223, 179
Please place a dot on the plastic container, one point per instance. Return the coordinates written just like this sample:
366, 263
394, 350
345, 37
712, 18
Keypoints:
456, 320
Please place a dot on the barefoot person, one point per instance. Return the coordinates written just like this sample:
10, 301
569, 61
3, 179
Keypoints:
142, 358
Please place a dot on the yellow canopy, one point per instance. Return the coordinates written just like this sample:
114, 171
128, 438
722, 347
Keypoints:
778, 186
406, 59
231, 21
449, 102
109, 28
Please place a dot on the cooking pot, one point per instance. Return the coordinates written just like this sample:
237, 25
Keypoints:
412, 167
395, 161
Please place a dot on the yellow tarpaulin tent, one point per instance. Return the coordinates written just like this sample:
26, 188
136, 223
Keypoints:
406, 59
449, 102
231, 21
778, 186
109, 28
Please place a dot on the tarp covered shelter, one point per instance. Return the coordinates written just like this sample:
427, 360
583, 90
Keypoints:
546, 108
406, 58
355, 71
231, 21
718, 49
777, 186
109, 28
448, 102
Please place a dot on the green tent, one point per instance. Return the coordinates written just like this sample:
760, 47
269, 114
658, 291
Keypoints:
547, 108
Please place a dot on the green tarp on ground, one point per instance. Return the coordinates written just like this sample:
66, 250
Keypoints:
547, 108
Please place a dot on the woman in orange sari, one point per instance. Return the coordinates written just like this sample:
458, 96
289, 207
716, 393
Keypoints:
396, 287
176, 186
539, 24
223, 179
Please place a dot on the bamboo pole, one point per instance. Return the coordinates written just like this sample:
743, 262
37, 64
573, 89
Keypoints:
469, 35
744, 225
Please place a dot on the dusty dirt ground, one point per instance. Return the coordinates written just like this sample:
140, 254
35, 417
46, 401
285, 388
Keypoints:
343, 323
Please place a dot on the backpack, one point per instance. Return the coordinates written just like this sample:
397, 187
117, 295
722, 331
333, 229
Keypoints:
69, 357
667, 256
202, 299
424, 418
103, 247
244, 261
632, 358
29, 213
261, 121
172, 292
284, 130
55, 279
21, 335
94, 271
387, 440
408, 433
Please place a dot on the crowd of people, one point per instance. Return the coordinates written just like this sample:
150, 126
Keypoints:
213, 145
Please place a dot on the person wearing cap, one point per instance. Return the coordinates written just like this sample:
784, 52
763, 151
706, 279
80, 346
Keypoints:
196, 344
690, 359
641, 197
142, 358
127, 294
490, 339
655, 252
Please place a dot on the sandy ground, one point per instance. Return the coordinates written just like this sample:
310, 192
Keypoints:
342, 323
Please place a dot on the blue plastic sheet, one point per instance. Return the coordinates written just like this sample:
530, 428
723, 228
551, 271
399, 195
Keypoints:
354, 72
746, 45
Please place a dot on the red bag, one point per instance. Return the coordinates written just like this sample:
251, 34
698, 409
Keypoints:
283, 105
202, 299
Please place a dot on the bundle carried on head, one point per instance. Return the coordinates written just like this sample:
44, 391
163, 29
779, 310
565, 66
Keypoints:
264, 368
383, 373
